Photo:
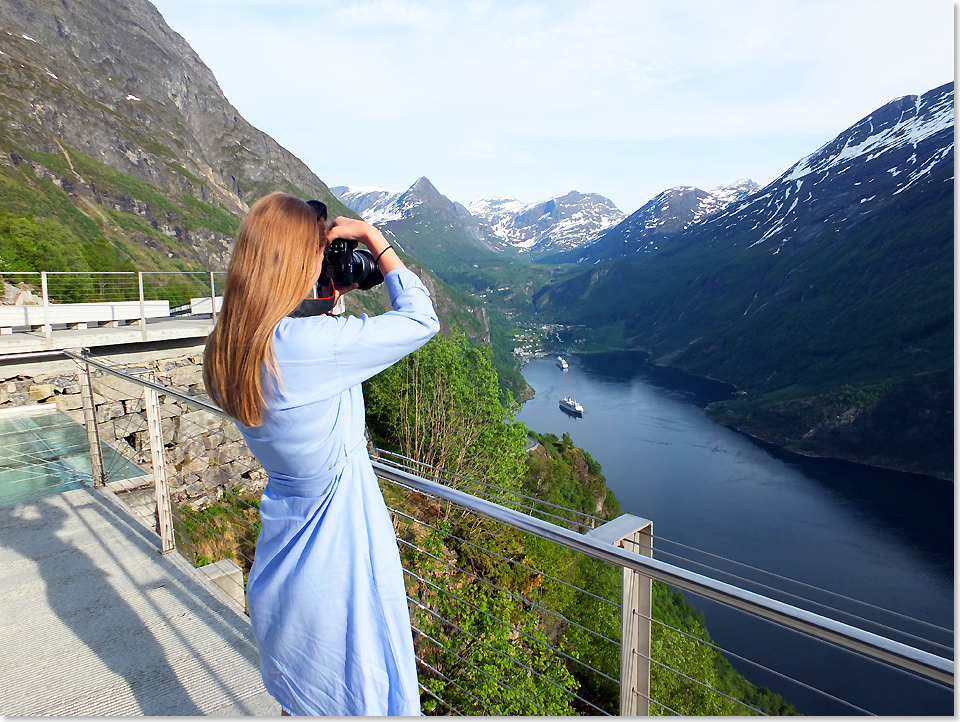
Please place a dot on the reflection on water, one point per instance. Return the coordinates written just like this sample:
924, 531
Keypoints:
874, 535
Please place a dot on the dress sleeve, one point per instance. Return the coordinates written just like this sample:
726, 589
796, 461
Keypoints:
321, 356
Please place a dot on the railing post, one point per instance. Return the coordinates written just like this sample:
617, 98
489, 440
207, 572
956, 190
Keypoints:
213, 299
154, 428
633, 534
143, 308
90, 422
45, 297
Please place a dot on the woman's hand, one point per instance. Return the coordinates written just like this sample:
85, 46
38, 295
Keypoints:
338, 292
357, 231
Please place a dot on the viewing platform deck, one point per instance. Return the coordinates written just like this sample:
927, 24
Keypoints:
160, 329
94, 620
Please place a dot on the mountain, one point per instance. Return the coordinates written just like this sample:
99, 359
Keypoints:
369, 203
560, 223
827, 296
413, 216
110, 112
119, 150
671, 212
462, 248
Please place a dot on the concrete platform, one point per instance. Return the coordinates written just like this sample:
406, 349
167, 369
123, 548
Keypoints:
95, 621
166, 329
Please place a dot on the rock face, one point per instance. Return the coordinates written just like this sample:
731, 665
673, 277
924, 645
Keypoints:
111, 80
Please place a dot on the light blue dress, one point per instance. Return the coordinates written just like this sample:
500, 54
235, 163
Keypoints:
326, 592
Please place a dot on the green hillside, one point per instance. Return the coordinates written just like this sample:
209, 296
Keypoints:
865, 305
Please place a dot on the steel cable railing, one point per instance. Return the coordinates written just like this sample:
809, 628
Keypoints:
421, 487
810, 587
444, 589
177, 287
491, 492
796, 598
587, 706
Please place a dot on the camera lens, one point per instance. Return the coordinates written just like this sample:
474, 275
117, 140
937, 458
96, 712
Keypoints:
364, 270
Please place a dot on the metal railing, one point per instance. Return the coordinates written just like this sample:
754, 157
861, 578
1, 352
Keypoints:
69, 288
498, 629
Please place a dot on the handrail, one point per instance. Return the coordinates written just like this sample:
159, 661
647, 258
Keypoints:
816, 625
160, 388
845, 635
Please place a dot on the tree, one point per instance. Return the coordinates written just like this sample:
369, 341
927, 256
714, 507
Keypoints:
442, 406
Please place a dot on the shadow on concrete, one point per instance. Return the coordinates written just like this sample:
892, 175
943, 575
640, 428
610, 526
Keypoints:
106, 581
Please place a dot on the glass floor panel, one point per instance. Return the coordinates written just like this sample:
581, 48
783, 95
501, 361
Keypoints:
45, 452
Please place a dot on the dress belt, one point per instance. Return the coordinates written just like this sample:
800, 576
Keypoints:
314, 485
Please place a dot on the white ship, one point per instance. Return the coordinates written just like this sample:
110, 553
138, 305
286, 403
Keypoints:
571, 406
561, 362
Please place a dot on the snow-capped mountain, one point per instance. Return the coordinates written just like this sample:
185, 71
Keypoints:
370, 203
861, 169
671, 212
560, 223
425, 223
841, 268
857, 173
557, 224
382, 207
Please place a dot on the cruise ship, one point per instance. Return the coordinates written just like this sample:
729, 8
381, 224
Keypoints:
561, 362
571, 406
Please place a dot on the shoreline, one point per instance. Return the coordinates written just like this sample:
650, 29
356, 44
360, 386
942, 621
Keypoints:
810, 455
526, 358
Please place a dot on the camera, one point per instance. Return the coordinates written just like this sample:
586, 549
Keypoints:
342, 266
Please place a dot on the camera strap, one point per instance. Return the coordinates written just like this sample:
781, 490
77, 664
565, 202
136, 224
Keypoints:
316, 306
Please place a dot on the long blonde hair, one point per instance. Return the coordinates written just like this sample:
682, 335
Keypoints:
273, 260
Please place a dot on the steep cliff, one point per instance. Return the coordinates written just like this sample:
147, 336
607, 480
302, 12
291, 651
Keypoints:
108, 109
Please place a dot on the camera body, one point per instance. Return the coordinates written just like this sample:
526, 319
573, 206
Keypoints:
342, 266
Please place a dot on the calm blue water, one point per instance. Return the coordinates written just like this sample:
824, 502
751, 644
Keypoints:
882, 537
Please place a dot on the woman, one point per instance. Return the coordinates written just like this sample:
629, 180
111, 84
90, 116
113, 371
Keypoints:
326, 592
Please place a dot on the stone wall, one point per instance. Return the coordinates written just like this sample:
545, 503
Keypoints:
205, 454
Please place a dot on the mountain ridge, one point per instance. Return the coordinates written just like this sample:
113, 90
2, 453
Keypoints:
668, 213
565, 221
837, 274
568, 220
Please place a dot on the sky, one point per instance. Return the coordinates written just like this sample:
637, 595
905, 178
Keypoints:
529, 99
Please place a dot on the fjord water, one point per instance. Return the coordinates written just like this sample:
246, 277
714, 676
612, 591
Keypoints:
877, 536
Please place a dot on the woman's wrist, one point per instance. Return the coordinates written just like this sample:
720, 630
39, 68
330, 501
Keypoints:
380, 255
388, 259
375, 241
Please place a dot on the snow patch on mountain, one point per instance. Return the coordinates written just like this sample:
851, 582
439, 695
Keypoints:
918, 118
877, 158
563, 222
375, 205
669, 213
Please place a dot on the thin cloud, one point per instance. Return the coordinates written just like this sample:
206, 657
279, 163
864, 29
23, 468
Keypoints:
503, 96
